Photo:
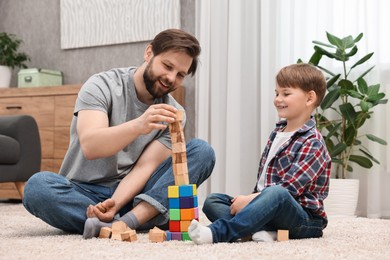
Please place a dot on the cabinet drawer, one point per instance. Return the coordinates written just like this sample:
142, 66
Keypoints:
41, 108
64, 106
61, 141
46, 135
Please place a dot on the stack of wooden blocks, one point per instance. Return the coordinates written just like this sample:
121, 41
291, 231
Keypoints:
183, 207
183, 200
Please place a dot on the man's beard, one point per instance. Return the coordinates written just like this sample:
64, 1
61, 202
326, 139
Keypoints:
151, 83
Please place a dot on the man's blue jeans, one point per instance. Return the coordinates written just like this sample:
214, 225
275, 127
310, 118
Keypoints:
62, 203
273, 209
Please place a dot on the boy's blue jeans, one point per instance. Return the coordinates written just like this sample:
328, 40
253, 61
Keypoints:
273, 209
63, 203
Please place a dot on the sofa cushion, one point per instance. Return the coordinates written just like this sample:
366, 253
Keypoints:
10, 150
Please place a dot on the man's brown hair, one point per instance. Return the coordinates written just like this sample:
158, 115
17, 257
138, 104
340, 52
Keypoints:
304, 76
177, 40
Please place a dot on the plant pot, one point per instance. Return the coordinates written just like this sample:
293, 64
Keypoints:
343, 197
5, 76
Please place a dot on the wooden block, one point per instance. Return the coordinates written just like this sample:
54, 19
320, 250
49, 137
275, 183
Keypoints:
178, 137
157, 235
174, 225
119, 226
187, 214
178, 147
181, 179
173, 191
105, 232
187, 190
175, 127
174, 214
179, 157
180, 168
116, 236
129, 235
282, 235
101, 208
179, 115
184, 224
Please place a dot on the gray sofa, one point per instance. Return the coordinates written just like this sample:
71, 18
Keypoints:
20, 149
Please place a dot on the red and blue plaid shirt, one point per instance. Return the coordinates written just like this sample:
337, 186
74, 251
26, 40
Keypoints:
301, 165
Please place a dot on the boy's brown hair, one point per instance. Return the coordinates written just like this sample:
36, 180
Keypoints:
303, 76
177, 40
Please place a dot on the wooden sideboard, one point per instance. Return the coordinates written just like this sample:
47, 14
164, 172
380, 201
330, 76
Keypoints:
52, 108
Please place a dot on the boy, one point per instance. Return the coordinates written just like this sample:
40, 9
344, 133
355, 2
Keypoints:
293, 176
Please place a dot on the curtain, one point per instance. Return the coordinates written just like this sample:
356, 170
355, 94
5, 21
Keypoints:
244, 44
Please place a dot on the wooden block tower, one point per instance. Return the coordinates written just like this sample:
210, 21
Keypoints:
183, 200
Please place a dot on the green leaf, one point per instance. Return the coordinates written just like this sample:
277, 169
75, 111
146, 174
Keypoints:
358, 37
376, 97
349, 134
337, 149
362, 60
352, 52
361, 160
355, 94
348, 42
332, 81
330, 98
362, 85
323, 44
373, 90
376, 139
369, 156
348, 112
345, 85
366, 72
334, 40
333, 130
329, 54
315, 58
365, 106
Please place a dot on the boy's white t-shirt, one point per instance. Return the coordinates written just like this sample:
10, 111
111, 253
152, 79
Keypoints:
280, 139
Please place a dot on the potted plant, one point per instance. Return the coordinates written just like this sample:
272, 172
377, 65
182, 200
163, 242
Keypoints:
347, 106
10, 57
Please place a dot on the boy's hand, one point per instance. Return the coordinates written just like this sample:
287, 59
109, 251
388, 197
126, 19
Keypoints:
240, 202
104, 211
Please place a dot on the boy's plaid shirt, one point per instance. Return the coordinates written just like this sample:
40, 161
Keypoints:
301, 165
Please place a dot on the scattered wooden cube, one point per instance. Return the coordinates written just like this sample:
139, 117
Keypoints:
105, 232
129, 235
157, 235
282, 235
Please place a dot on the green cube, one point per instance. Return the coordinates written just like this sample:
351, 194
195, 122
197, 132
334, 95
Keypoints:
174, 214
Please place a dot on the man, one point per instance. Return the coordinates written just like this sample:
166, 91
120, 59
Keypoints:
119, 151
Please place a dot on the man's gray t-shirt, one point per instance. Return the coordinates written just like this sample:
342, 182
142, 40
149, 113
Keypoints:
112, 92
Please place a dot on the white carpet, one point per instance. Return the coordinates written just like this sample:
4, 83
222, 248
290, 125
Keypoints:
22, 236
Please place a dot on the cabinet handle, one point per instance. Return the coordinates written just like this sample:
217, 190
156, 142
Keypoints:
14, 107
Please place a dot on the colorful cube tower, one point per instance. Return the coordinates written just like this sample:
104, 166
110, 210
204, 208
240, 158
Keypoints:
183, 200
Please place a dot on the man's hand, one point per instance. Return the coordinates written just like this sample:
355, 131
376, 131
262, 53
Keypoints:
240, 202
104, 211
154, 117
